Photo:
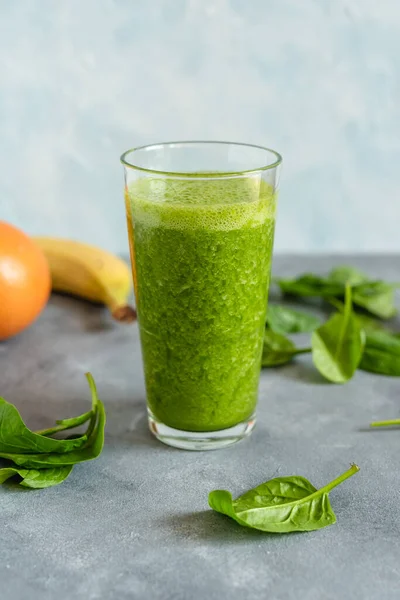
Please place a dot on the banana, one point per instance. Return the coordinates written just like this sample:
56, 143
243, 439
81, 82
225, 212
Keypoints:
91, 273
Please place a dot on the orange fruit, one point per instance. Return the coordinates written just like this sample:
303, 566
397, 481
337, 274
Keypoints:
25, 281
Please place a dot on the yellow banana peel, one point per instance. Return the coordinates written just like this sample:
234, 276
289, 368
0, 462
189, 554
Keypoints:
90, 273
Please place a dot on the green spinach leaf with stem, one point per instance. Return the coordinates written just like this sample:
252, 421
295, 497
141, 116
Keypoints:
337, 346
15, 437
36, 478
64, 424
90, 450
310, 285
281, 505
278, 349
381, 354
286, 320
366, 322
377, 297
347, 275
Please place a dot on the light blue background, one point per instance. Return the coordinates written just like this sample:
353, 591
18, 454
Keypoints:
319, 80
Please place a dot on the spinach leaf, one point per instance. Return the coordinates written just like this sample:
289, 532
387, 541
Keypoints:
390, 423
347, 275
281, 505
366, 322
36, 478
286, 320
384, 340
377, 297
15, 437
90, 450
369, 324
311, 285
278, 349
64, 424
337, 345
381, 354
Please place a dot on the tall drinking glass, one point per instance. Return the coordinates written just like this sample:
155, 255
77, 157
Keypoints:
201, 219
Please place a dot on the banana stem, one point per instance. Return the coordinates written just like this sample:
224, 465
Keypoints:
124, 314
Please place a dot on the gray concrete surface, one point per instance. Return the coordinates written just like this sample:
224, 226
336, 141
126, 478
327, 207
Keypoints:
135, 523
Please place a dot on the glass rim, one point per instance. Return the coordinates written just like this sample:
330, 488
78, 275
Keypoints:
205, 174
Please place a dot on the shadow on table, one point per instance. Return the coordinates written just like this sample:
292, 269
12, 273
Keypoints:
209, 526
93, 318
303, 371
127, 426
375, 430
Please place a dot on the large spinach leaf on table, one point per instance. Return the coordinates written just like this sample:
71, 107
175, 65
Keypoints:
381, 354
36, 478
44, 460
281, 505
337, 346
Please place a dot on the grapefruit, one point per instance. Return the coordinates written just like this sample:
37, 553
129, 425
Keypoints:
25, 281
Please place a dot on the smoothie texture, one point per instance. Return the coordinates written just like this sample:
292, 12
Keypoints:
201, 255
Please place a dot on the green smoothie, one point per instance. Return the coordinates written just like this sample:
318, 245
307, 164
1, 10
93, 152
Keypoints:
201, 253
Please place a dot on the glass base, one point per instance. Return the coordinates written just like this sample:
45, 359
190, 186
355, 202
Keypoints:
200, 440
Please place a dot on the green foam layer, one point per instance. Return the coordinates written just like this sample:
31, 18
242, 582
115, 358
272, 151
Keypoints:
222, 204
